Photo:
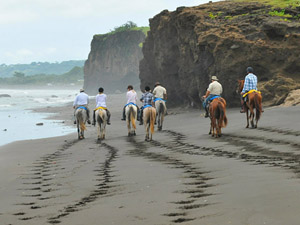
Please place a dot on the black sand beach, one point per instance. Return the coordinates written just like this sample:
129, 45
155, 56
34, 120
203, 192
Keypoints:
184, 176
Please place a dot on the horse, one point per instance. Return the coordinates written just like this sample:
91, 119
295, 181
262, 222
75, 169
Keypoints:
218, 119
149, 120
131, 116
160, 112
101, 118
254, 101
81, 119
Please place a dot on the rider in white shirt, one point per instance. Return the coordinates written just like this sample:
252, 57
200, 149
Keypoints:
131, 96
82, 99
101, 102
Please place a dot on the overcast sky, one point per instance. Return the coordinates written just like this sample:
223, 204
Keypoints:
60, 30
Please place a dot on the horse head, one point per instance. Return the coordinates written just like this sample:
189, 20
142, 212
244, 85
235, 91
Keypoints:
240, 85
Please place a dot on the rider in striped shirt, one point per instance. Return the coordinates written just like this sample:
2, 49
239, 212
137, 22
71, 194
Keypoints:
250, 84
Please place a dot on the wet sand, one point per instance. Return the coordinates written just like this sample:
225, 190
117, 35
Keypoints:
184, 176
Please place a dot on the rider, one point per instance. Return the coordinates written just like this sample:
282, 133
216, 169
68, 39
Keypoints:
250, 84
214, 89
82, 99
160, 93
131, 96
101, 102
147, 99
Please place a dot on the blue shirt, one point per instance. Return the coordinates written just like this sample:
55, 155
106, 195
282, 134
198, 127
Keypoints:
250, 83
147, 98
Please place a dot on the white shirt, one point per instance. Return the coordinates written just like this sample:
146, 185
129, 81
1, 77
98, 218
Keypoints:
101, 100
131, 96
81, 99
215, 88
159, 92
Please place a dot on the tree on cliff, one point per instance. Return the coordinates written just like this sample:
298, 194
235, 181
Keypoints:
127, 26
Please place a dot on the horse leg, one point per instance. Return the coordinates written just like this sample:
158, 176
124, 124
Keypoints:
247, 116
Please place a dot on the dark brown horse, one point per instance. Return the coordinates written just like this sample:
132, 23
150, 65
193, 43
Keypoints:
254, 101
218, 119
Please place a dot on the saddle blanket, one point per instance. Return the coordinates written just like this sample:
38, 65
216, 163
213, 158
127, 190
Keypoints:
212, 98
251, 92
81, 107
146, 106
157, 99
100, 108
130, 103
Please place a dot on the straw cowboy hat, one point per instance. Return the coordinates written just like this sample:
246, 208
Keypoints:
214, 78
81, 90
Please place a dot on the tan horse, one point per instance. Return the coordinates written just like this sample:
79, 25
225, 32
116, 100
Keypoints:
81, 119
149, 120
101, 117
254, 102
131, 116
161, 110
218, 119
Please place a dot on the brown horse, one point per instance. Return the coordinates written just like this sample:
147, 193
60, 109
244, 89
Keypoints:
218, 119
254, 101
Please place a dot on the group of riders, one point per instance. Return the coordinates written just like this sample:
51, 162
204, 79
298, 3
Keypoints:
149, 97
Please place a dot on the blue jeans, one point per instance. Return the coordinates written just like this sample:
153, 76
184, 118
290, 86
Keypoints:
204, 104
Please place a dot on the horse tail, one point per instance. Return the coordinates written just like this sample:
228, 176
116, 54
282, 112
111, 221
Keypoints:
161, 108
101, 116
132, 117
222, 118
257, 103
80, 120
152, 119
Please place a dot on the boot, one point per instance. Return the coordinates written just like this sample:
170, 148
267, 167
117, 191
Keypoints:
108, 117
141, 117
123, 115
94, 119
74, 121
243, 109
88, 116
206, 112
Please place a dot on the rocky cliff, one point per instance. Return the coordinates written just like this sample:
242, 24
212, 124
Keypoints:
113, 61
186, 47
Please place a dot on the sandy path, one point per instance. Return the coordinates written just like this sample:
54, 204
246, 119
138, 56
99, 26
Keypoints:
183, 176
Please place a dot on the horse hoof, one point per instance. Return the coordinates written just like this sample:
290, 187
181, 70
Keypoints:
209, 132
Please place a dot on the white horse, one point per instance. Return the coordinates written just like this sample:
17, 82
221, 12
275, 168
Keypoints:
101, 118
81, 118
149, 120
161, 110
131, 115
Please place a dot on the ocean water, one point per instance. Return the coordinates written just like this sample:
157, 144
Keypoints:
18, 122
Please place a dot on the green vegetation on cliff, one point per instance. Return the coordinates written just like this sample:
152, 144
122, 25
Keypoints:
275, 3
127, 27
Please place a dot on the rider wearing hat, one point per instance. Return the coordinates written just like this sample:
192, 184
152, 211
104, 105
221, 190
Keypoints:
82, 99
214, 89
